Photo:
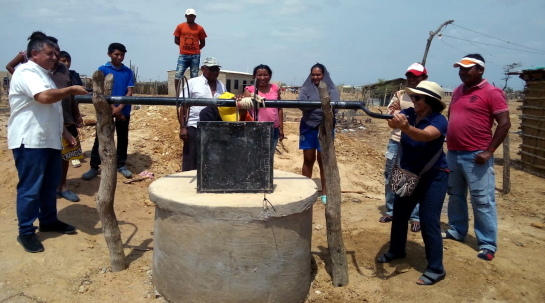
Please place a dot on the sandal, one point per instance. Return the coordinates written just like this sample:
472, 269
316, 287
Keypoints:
387, 258
429, 278
415, 226
385, 219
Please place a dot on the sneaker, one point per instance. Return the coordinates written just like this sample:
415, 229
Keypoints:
125, 172
68, 195
58, 226
486, 254
324, 199
76, 163
30, 243
447, 235
90, 174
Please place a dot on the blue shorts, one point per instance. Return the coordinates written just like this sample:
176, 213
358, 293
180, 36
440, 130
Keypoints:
309, 140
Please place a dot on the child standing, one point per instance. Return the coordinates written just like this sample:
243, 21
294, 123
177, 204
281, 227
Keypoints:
123, 86
64, 58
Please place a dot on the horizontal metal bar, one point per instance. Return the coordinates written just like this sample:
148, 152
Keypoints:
231, 103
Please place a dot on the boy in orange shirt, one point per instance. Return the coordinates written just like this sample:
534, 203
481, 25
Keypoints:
191, 38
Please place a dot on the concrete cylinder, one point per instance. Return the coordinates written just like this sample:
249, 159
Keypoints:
227, 247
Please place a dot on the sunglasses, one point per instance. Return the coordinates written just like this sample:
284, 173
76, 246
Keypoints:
417, 97
214, 69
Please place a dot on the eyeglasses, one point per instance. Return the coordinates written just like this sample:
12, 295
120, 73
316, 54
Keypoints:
417, 97
214, 69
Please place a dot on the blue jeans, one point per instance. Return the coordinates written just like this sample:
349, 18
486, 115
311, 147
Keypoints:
481, 181
391, 153
430, 193
39, 171
185, 61
276, 135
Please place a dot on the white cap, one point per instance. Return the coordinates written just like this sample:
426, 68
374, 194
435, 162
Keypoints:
190, 11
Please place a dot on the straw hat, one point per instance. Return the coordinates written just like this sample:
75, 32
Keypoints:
428, 88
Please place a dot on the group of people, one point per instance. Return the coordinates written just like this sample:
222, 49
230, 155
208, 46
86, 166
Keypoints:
191, 39
43, 136
416, 146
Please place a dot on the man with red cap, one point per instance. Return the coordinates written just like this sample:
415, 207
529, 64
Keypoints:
471, 144
415, 74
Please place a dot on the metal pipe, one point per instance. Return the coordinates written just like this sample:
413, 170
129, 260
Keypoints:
231, 103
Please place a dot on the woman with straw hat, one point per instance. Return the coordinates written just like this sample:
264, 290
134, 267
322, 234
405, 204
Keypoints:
421, 147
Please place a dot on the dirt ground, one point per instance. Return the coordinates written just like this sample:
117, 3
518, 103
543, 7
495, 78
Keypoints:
75, 268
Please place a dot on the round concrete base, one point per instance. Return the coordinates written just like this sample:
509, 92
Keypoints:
232, 247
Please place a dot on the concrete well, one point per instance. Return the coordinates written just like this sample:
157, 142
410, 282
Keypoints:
226, 247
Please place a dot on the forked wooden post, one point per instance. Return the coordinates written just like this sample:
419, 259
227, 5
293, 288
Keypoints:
108, 176
506, 166
337, 252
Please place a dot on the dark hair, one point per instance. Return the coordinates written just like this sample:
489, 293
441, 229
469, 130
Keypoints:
478, 57
65, 54
262, 66
37, 44
53, 39
36, 34
435, 104
116, 46
318, 65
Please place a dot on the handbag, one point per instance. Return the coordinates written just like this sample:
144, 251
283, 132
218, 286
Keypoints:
402, 181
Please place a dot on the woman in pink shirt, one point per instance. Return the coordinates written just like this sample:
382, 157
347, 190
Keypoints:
262, 75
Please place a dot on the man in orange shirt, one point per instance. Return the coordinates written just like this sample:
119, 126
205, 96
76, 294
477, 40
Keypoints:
191, 38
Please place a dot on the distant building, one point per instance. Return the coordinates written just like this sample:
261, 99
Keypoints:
234, 81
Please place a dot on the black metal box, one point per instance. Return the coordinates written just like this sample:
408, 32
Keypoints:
235, 157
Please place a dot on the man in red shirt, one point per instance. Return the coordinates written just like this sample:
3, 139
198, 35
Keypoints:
191, 38
471, 145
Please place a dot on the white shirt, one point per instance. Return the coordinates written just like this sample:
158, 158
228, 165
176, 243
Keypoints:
199, 88
31, 123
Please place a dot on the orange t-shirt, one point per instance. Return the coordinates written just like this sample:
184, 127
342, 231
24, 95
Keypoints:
189, 35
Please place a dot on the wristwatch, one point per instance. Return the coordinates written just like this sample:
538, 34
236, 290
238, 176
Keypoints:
490, 149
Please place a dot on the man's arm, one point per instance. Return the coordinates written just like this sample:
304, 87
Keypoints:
176, 40
504, 124
202, 43
51, 96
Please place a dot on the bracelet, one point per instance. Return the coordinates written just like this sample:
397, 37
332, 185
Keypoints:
490, 149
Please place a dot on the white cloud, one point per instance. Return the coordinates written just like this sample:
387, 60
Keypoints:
299, 34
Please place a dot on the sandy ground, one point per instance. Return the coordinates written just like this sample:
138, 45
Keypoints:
75, 268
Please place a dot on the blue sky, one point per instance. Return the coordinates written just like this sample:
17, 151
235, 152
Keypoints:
358, 41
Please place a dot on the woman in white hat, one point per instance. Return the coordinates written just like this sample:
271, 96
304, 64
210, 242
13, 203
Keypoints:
421, 147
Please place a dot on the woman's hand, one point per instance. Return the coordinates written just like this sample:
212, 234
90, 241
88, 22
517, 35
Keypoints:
399, 121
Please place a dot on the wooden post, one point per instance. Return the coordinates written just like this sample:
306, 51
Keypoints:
337, 252
506, 166
108, 177
432, 34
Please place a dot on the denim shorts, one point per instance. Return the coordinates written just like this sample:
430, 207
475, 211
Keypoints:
309, 140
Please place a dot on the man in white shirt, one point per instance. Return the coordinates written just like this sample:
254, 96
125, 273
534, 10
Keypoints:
35, 129
205, 86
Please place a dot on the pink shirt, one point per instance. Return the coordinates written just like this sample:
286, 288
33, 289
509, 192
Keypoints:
268, 114
471, 116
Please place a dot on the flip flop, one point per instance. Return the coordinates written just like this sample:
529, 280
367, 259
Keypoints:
387, 258
68, 195
415, 226
430, 278
385, 219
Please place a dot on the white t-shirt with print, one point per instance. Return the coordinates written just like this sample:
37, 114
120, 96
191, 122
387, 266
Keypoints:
32, 123
199, 88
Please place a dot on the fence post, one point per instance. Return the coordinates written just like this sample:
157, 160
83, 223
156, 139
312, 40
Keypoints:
108, 177
506, 166
337, 252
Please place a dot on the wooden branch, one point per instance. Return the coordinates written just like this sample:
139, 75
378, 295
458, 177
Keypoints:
506, 166
432, 34
108, 177
337, 252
